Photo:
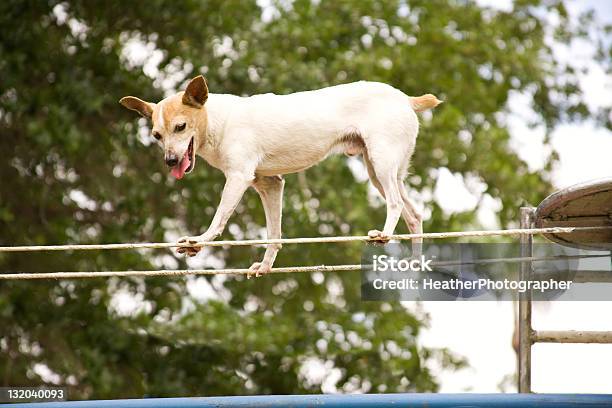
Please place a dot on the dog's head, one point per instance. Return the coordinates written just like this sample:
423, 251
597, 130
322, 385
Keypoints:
179, 123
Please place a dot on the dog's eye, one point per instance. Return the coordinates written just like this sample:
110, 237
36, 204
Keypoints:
156, 135
180, 127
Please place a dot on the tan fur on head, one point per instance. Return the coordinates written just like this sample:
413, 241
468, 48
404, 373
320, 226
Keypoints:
181, 108
173, 112
424, 102
179, 123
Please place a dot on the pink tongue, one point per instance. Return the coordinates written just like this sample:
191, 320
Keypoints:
178, 171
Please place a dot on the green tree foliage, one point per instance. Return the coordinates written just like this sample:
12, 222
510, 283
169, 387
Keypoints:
76, 167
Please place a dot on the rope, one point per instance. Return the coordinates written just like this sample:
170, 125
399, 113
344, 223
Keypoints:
312, 240
173, 272
290, 269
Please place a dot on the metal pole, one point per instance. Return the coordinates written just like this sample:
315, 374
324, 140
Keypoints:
525, 337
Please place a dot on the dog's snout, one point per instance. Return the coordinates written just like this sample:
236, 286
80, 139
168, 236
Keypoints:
171, 159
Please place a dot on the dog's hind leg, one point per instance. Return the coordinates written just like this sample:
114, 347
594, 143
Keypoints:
270, 190
372, 174
409, 213
383, 174
412, 217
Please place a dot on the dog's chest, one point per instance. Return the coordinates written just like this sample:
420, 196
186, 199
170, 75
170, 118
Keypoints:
211, 156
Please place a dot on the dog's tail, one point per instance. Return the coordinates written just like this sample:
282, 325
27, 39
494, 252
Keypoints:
424, 102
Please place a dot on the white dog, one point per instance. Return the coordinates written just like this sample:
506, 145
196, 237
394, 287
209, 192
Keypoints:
254, 140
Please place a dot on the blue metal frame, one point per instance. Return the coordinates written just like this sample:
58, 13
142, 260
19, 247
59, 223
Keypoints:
354, 400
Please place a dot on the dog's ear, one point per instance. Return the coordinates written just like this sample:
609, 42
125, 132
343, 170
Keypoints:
138, 105
196, 93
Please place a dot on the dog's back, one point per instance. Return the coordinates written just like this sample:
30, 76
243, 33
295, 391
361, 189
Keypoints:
323, 112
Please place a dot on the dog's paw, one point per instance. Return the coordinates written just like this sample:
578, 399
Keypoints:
378, 236
192, 240
259, 268
189, 251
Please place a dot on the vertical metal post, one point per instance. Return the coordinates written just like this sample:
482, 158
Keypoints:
525, 330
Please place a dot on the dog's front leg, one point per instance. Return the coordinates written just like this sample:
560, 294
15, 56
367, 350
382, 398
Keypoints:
235, 186
270, 190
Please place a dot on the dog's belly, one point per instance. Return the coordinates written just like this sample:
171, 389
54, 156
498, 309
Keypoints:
290, 162
295, 158
279, 171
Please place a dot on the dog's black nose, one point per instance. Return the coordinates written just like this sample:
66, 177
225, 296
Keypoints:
171, 160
